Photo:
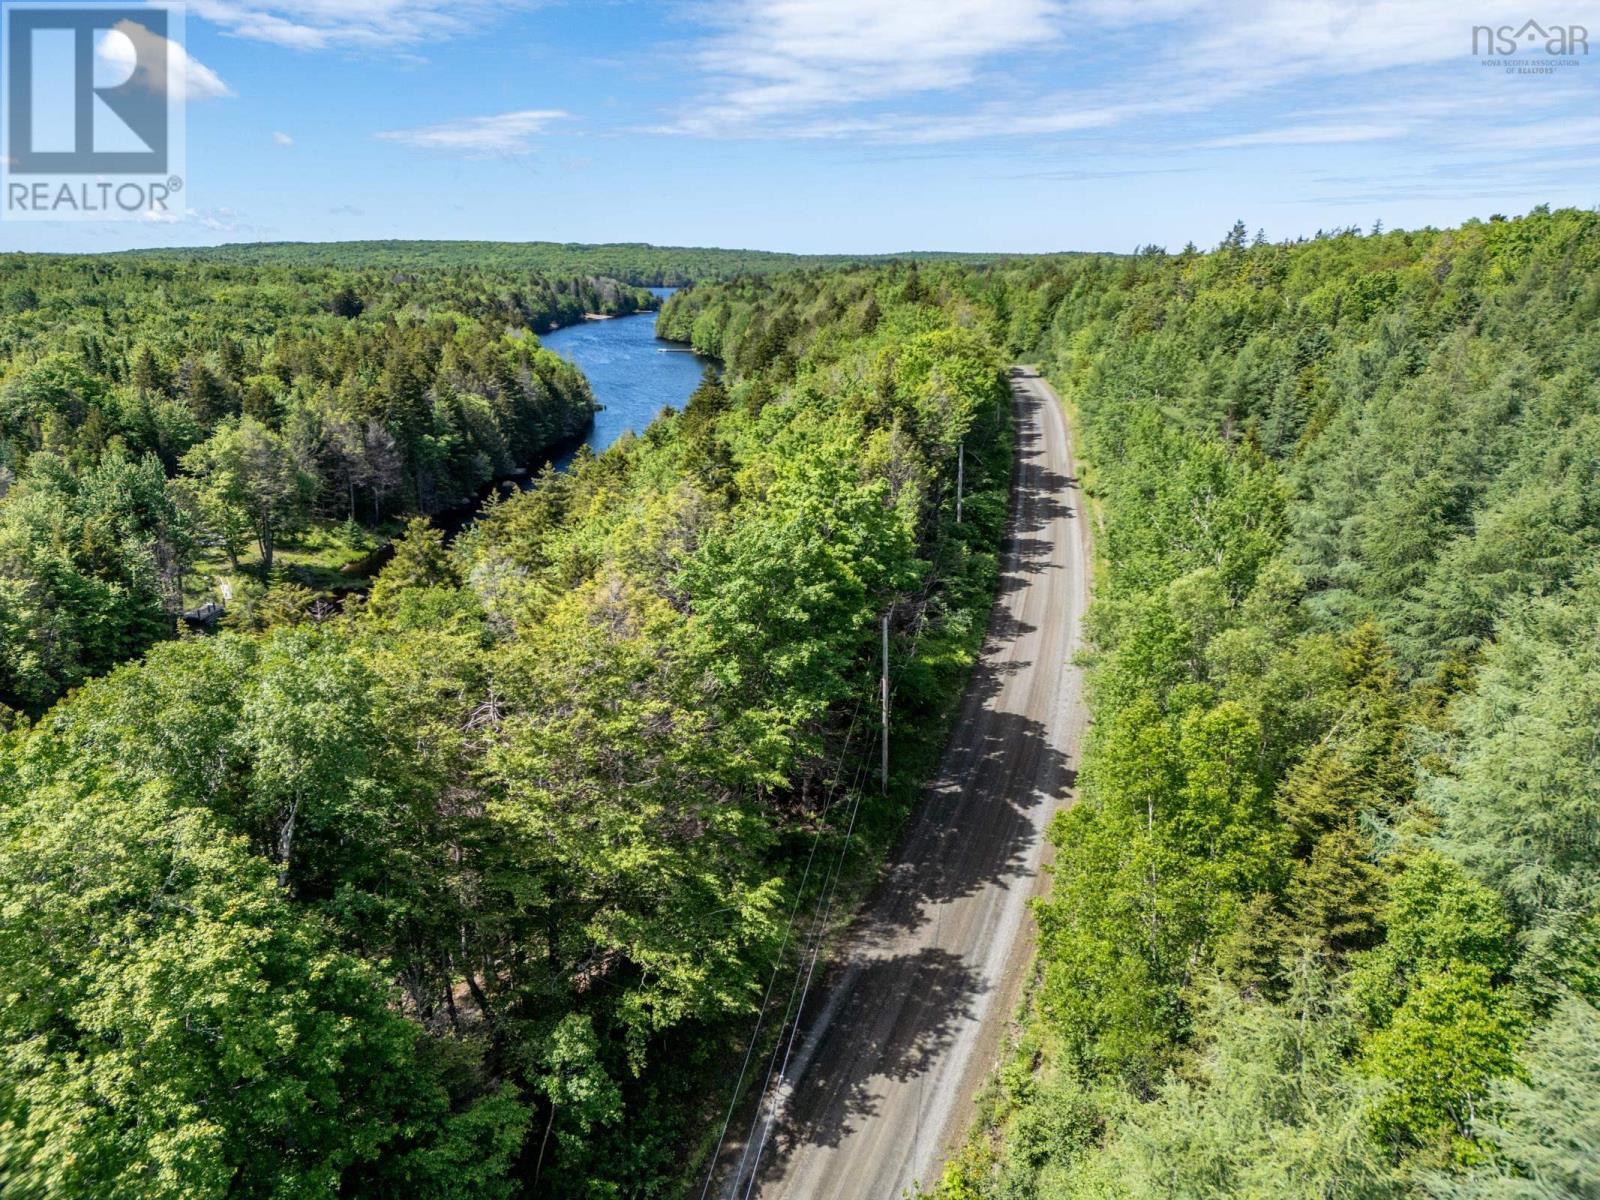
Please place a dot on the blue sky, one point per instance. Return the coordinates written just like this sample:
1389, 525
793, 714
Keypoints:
860, 125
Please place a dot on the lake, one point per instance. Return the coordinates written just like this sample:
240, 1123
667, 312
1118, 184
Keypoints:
634, 374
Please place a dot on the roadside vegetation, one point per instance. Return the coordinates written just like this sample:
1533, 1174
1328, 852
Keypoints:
473, 887
1325, 917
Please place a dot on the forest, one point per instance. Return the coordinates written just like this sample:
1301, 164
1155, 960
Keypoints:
162, 423
471, 886
1326, 912
632, 262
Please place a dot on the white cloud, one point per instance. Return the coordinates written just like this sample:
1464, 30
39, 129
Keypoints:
1545, 135
217, 220
851, 68
1273, 40
1307, 135
282, 139
120, 48
478, 137
777, 58
212, 220
352, 24
1247, 46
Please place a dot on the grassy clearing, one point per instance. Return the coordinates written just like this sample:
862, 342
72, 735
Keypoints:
315, 557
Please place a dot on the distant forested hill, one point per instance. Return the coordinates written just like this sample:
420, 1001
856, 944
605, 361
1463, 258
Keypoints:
633, 262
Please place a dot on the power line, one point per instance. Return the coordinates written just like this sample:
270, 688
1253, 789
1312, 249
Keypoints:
777, 964
820, 925
790, 1011
810, 972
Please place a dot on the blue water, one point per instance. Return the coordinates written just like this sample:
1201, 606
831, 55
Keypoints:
634, 374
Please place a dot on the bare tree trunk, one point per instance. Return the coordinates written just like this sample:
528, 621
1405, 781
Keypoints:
286, 842
478, 998
450, 998
544, 1142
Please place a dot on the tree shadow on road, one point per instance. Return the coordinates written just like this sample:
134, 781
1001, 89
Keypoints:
967, 838
976, 824
894, 1004
897, 1042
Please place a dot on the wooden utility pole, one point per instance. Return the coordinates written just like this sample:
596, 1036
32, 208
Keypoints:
883, 778
961, 476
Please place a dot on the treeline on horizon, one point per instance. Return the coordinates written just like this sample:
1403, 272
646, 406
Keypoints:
151, 410
474, 889
637, 263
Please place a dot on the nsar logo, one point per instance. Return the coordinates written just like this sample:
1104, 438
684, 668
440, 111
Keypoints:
1531, 48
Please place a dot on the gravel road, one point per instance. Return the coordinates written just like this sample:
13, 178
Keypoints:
900, 1034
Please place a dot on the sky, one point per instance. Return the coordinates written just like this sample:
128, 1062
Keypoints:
859, 126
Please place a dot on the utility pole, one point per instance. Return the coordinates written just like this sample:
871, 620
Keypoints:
883, 777
961, 476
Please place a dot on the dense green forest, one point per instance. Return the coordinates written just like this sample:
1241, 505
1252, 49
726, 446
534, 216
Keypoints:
634, 262
1326, 915
472, 889
1326, 912
159, 420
